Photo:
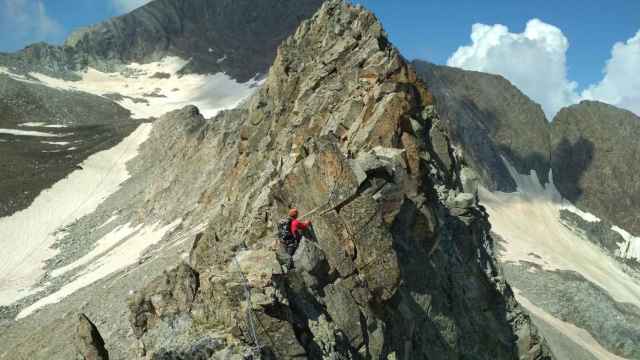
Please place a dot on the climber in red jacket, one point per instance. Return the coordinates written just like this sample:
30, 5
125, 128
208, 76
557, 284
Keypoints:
297, 226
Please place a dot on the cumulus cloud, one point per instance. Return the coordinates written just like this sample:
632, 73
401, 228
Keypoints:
535, 61
621, 83
128, 5
27, 21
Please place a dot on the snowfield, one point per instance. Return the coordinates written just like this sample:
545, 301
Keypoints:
529, 223
151, 90
26, 236
134, 242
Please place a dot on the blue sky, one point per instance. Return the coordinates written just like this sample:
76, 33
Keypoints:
582, 33
433, 30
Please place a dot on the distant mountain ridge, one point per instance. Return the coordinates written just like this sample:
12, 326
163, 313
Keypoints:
573, 238
591, 147
596, 161
230, 36
490, 119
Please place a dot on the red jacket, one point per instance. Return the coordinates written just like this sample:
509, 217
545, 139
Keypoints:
297, 226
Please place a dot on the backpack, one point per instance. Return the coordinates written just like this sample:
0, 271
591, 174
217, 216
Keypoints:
284, 231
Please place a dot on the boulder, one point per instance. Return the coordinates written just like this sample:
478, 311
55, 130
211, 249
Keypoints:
168, 296
258, 266
461, 200
89, 344
310, 261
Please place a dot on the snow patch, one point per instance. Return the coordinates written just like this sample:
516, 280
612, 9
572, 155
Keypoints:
578, 335
126, 254
60, 143
630, 249
148, 96
102, 246
41, 124
32, 124
529, 223
30, 133
26, 236
109, 220
586, 216
6, 71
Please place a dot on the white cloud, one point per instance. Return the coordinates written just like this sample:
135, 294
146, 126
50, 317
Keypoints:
125, 6
535, 61
621, 83
27, 21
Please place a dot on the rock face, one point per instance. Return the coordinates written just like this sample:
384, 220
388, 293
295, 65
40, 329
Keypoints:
230, 36
401, 264
90, 343
595, 161
490, 119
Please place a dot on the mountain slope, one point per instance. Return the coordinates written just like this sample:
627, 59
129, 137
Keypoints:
67, 130
46, 133
402, 263
60, 105
595, 161
490, 119
565, 240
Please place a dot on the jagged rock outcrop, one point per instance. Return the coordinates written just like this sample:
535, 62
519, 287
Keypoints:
230, 36
595, 161
402, 262
90, 343
489, 118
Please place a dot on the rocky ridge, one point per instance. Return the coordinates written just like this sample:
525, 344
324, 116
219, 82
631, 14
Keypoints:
401, 264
